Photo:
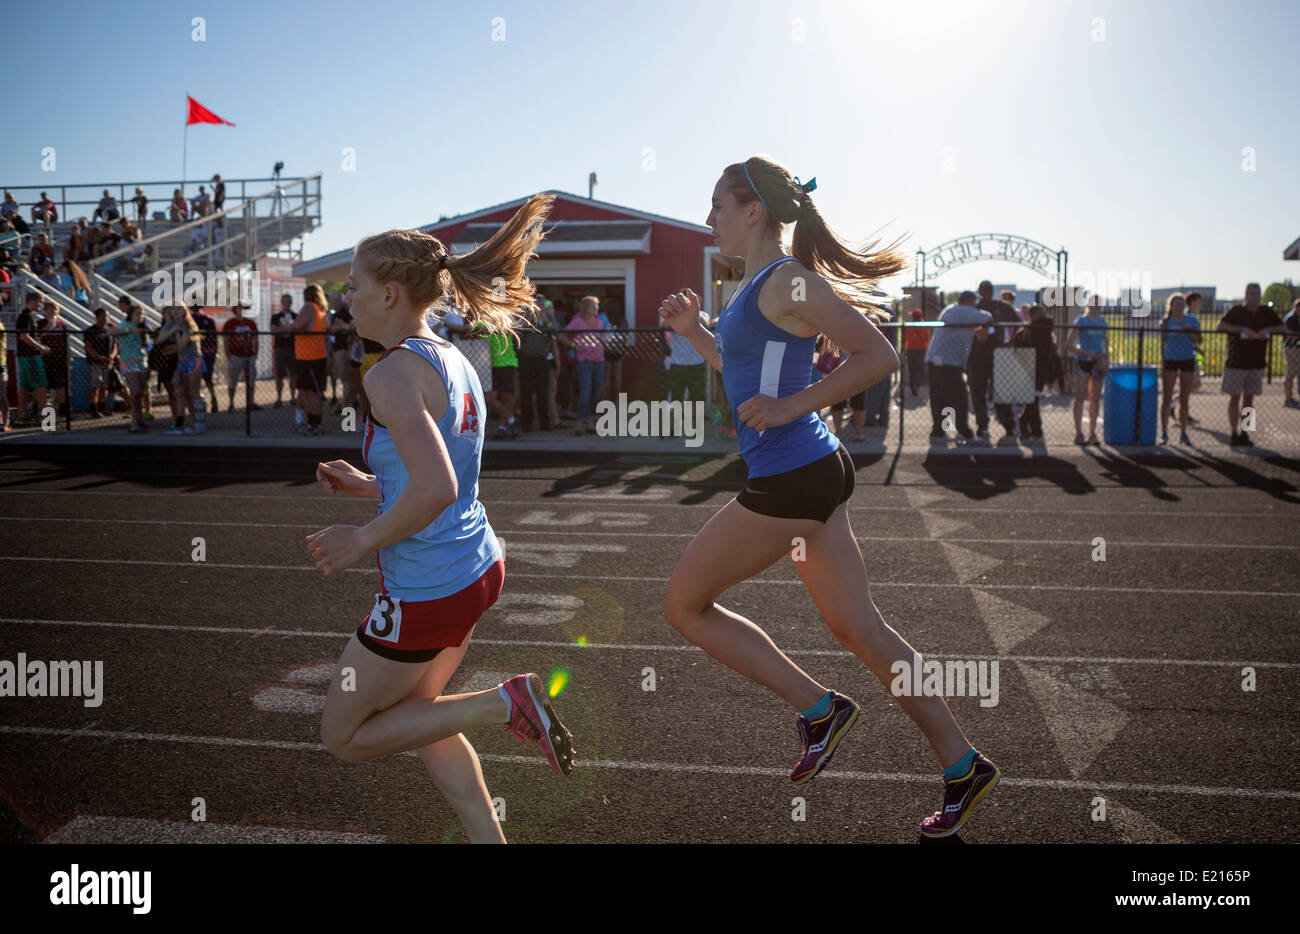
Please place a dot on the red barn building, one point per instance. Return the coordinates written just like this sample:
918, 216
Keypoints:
629, 259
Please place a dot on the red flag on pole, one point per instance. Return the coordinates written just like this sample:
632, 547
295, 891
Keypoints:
201, 114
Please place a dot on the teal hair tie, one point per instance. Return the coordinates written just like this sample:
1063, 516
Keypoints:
806, 188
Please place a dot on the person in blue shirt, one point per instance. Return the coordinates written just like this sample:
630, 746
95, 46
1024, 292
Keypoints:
1180, 333
440, 564
800, 476
1091, 357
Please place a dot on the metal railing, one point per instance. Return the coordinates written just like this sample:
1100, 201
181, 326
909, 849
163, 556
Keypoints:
1033, 396
112, 292
59, 194
303, 194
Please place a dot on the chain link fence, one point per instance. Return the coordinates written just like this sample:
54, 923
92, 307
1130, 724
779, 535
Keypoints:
1026, 389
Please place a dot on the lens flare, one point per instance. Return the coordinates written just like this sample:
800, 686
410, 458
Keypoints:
559, 681
582, 640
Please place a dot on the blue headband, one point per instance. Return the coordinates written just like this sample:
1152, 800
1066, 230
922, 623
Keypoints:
745, 166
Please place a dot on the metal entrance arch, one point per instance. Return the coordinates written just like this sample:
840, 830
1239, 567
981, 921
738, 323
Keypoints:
974, 248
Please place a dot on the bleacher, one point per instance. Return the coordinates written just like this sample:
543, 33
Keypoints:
260, 217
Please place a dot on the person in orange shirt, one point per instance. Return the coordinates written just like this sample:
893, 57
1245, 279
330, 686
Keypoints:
309, 358
915, 342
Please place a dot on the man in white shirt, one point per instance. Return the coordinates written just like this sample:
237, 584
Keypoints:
946, 360
687, 370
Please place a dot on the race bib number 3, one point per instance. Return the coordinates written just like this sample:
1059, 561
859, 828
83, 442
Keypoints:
385, 618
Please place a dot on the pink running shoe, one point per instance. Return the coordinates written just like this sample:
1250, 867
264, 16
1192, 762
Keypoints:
532, 718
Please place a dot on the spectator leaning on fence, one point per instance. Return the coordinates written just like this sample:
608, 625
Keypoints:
1249, 327
54, 334
536, 350
208, 348
131, 336
950, 347
979, 368
8, 205
1091, 358
30, 353
4, 377
241, 354
182, 332
1180, 333
687, 370
1291, 350
339, 323
100, 351
915, 343
282, 365
309, 355
590, 360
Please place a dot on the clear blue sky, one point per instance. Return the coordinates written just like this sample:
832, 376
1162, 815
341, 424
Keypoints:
1126, 151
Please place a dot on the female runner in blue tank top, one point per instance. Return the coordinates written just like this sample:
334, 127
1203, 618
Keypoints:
800, 478
440, 565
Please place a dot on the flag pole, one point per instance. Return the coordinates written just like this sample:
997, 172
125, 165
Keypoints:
185, 150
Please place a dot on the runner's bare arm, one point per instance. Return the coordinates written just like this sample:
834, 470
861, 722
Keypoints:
871, 356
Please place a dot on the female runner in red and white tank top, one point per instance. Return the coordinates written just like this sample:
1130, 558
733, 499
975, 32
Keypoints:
441, 565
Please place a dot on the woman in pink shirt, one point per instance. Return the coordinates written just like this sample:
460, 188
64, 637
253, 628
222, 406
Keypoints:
591, 360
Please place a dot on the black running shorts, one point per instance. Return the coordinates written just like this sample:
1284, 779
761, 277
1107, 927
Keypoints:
809, 492
311, 375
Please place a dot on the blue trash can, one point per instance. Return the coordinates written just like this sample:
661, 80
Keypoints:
79, 388
1121, 406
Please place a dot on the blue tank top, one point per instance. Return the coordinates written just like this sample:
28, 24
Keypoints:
758, 357
454, 550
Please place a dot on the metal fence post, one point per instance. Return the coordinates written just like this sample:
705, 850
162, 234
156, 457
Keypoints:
248, 388
902, 398
67, 379
1137, 420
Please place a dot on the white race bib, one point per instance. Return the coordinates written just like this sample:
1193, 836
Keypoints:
385, 620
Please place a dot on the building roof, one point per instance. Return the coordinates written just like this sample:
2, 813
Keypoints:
557, 231
1293, 251
567, 237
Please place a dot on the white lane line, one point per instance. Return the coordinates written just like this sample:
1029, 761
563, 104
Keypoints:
1068, 588
1036, 543
96, 829
633, 647
927, 779
640, 500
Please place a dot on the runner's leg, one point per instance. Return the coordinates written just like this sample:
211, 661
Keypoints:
836, 576
732, 547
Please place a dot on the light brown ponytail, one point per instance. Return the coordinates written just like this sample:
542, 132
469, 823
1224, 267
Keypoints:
489, 283
851, 274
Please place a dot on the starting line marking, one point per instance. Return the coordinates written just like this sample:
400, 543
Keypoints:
550, 644
928, 779
975, 585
